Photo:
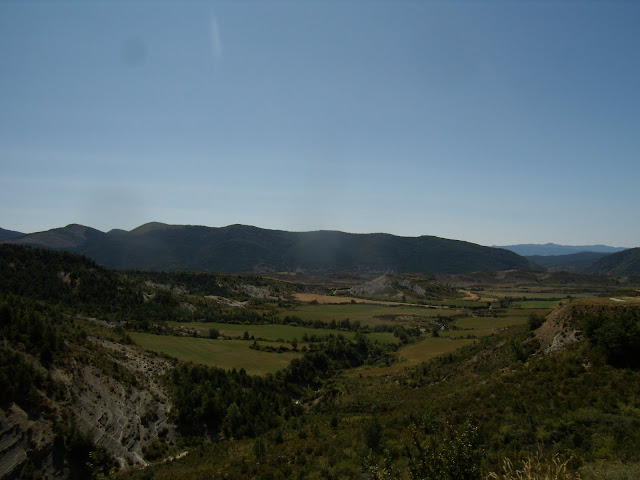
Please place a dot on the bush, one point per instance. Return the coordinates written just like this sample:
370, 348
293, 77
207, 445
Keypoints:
453, 456
535, 321
618, 335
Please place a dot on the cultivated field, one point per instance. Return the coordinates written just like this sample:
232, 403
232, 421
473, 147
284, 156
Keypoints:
226, 354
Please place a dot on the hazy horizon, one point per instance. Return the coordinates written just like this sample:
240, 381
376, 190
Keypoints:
303, 231
490, 122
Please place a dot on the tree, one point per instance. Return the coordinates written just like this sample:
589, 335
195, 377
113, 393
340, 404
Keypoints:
535, 321
617, 334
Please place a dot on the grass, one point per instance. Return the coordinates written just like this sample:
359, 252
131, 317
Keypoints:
278, 332
226, 354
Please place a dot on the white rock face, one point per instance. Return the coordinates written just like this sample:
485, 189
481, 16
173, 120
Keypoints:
115, 398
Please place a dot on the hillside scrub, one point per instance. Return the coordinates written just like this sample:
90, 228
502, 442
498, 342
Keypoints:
617, 335
501, 405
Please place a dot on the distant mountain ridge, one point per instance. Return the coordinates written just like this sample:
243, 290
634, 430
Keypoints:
530, 249
9, 234
241, 248
620, 263
573, 262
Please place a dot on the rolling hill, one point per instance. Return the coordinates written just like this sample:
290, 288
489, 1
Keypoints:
9, 234
620, 263
573, 262
241, 248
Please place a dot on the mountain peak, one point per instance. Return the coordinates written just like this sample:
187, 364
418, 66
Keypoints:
150, 227
70, 237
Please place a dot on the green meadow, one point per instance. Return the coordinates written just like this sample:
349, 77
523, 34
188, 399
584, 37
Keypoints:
226, 354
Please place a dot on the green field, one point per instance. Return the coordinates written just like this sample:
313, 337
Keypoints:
366, 314
236, 353
278, 332
226, 354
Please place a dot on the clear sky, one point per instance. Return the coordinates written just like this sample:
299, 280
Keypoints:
492, 122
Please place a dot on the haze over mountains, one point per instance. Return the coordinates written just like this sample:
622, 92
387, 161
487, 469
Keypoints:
239, 248
582, 259
529, 249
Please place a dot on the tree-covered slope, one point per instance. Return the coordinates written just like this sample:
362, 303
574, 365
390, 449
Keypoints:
573, 262
239, 248
620, 263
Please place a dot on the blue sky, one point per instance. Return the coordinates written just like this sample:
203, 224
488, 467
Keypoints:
491, 122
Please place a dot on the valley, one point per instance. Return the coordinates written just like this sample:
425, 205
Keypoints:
132, 374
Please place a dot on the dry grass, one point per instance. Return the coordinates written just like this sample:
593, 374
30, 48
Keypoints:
333, 300
536, 467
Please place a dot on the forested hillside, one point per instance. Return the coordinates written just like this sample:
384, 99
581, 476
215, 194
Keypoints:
239, 248
621, 263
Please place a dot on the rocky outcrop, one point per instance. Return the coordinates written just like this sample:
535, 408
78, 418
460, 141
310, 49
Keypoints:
110, 392
123, 414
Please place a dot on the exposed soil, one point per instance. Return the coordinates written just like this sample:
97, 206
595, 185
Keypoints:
114, 395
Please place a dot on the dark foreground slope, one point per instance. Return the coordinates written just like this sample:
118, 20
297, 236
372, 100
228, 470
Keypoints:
239, 248
76, 399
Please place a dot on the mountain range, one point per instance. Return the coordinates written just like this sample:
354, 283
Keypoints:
241, 248
529, 249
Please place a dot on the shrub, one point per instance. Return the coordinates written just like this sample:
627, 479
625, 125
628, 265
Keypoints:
455, 455
618, 335
535, 321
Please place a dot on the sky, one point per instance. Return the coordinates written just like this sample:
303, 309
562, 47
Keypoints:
492, 122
